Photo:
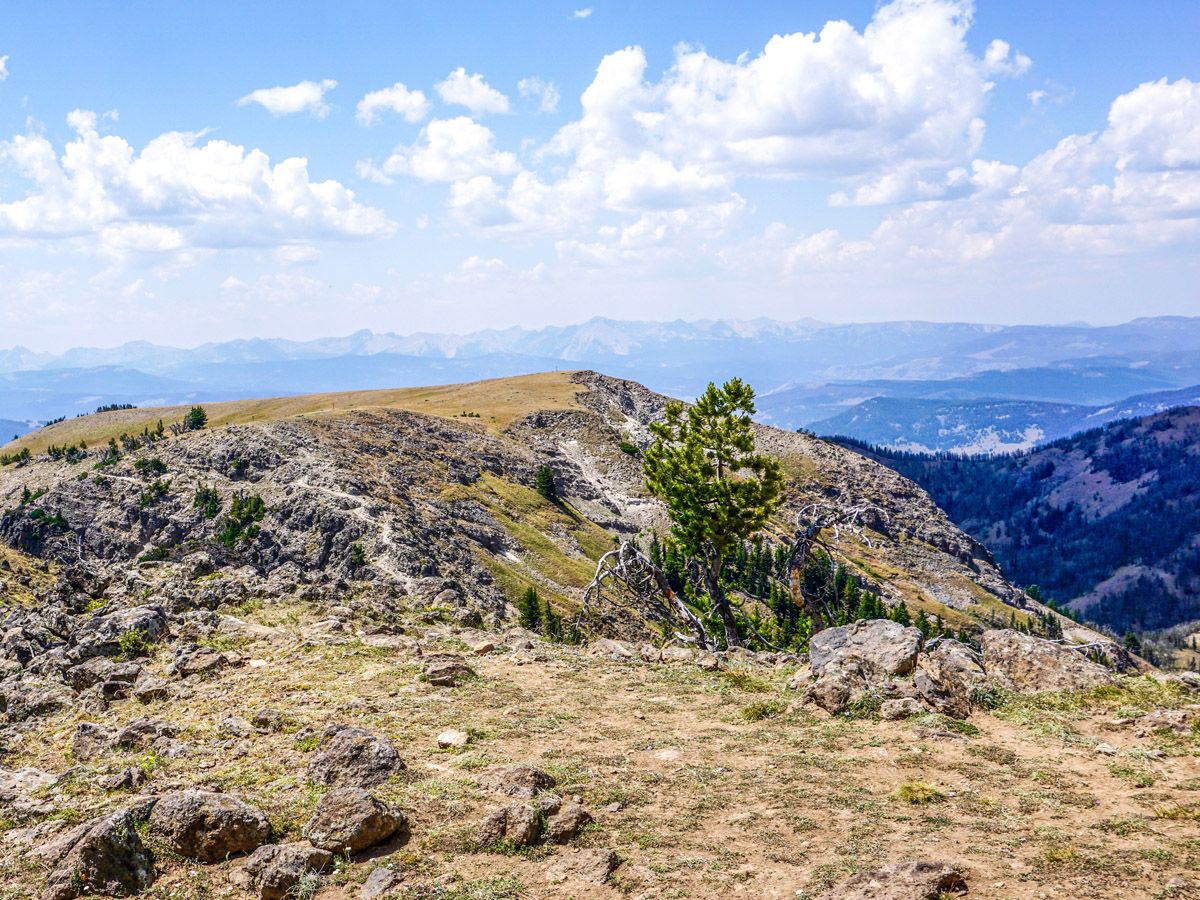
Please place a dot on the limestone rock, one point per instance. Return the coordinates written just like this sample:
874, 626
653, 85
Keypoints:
348, 755
566, 824
446, 669
903, 708
518, 824
208, 826
349, 819
1030, 664
518, 780
881, 646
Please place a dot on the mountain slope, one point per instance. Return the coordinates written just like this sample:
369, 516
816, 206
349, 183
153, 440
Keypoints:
438, 500
985, 426
1108, 521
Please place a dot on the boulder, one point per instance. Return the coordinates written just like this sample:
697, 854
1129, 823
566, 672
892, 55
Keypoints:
91, 739
195, 660
840, 681
446, 669
149, 688
349, 819
1028, 664
101, 635
612, 649
17, 789
882, 647
273, 871
585, 866
115, 678
518, 824
106, 859
952, 671
380, 883
347, 755
32, 697
566, 824
517, 780
453, 739
900, 881
208, 826
903, 708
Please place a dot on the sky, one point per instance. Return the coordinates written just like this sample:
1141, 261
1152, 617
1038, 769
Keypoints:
190, 172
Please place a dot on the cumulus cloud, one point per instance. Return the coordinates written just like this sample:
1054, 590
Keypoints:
471, 91
545, 92
446, 150
584, 13
307, 96
173, 194
3, 68
999, 59
413, 106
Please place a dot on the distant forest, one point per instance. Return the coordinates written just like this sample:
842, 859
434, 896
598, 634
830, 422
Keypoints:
1014, 504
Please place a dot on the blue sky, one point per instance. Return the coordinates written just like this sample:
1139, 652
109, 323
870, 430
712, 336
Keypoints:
920, 159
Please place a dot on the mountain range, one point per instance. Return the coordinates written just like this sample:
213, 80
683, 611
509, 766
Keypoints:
908, 384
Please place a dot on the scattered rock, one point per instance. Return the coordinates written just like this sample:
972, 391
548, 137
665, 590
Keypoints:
102, 634
614, 649
453, 738
881, 646
268, 720
127, 779
518, 780
113, 679
347, 755
381, 882
1106, 749
149, 688
274, 870
107, 858
587, 866
893, 710
900, 881
235, 726
32, 697
1177, 721
518, 824
446, 669
90, 740
349, 819
1031, 664
208, 826
566, 824
839, 682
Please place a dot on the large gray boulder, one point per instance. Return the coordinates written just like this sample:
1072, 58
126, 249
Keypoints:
101, 635
34, 697
354, 756
949, 672
882, 647
1030, 665
107, 859
517, 824
349, 819
208, 826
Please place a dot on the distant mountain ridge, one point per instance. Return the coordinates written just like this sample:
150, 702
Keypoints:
986, 426
805, 371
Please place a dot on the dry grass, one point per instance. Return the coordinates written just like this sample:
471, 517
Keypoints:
498, 402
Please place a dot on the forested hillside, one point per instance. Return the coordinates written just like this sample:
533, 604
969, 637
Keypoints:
1107, 521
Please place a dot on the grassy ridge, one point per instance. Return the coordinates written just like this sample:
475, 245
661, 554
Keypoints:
497, 402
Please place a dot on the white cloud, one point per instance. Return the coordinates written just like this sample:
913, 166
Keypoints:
296, 254
447, 150
307, 96
174, 194
471, 91
413, 106
3, 68
584, 13
999, 59
545, 91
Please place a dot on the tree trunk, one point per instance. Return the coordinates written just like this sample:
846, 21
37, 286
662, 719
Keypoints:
724, 610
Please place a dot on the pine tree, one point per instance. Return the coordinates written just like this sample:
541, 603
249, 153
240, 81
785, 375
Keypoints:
551, 622
717, 490
196, 419
529, 610
900, 614
545, 484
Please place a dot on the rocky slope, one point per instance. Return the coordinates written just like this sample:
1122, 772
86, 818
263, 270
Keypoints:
322, 695
441, 506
